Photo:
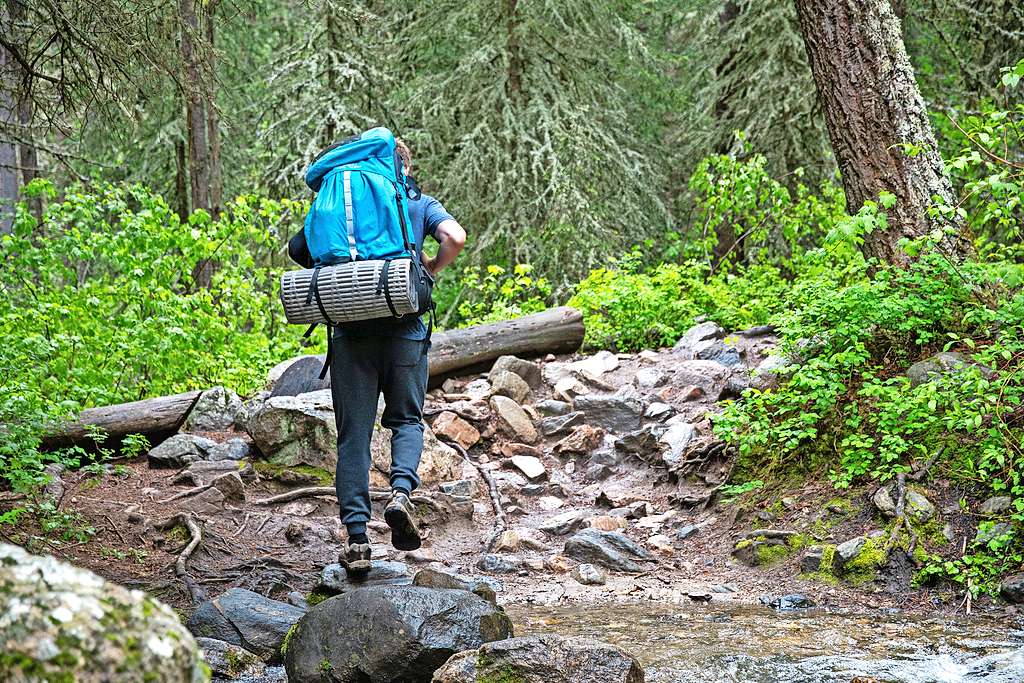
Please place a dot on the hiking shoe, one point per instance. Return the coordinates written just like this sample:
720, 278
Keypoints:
355, 558
398, 514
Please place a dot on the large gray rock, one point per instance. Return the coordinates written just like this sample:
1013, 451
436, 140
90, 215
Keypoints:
335, 581
528, 370
390, 634
232, 449
297, 430
505, 383
546, 658
247, 619
513, 419
483, 586
179, 451
300, 376
701, 332
717, 350
561, 424
62, 623
1012, 589
940, 364
230, 661
609, 549
214, 411
564, 523
612, 412
846, 552
710, 377
996, 505
676, 439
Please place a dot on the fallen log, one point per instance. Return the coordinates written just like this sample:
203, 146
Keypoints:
154, 417
556, 330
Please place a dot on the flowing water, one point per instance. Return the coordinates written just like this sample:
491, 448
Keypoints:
746, 644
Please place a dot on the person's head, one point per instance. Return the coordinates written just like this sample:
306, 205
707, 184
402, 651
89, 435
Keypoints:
406, 154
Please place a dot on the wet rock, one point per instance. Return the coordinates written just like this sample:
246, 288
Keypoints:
247, 619
179, 451
509, 384
718, 351
454, 428
811, 561
612, 412
62, 623
432, 578
606, 548
390, 634
562, 524
531, 467
846, 552
335, 581
789, 602
580, 441
529, 371
514, 419
996, 505
551, 408
641, 442
460, 488
698, 333
561, 424
1012, 589
597, 472
496, 564
232, 449
230, 661
589, 575
940, 364
596, 365
648, 378
214, 411
542, 659
297, 430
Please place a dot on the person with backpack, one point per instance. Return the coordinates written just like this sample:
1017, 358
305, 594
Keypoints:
381, 356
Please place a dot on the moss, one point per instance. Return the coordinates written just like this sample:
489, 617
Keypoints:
325, 665
489, 671
743, 544
315, 597
287, 639
235, 662
770, 553
862, 568
271, 470
828, 557
798, 541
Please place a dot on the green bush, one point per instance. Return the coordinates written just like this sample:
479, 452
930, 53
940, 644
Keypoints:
100, 306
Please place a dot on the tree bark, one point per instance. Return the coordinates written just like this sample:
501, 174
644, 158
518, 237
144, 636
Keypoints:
8, 148
212, 118
877, 121
726, 231
195, 110
151, 416
180, 181
556, 330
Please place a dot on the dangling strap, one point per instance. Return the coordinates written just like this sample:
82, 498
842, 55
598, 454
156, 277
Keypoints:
384, 286
430, 328
327, 358
314, 293
349, 216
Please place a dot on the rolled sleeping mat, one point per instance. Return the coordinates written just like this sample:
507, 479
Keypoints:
349, 292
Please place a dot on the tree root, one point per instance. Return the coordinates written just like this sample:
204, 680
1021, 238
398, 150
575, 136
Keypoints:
181, 564
185, 494
902, 521
492, 488
295, 494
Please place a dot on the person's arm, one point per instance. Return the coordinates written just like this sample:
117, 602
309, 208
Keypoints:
452, 237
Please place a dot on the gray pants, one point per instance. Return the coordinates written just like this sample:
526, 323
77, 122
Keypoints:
363, 368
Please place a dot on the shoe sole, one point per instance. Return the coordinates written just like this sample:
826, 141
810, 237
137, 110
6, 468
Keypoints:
404, 535
358, 567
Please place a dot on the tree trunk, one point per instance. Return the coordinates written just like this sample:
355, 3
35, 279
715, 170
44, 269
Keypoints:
28, 157
180, 181
877, 121
725, 232
212, 119
195, 111
8, 148
153, 416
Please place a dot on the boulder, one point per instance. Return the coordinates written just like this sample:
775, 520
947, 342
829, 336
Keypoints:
297, 430
247, 619
230, 661
718, 351
1012, 589
695, 335
62, 623
214, 411
588, 575
996, 505
940, 364
335, 581
612, 412
529, 371
658, 411
275, 372
609, 549
452, 427
179, 451
676, 440
390, 634
546, 658
811, 561
232, 449
509, 384
250, 407
987, 531
699, 378
580, 441
550, 407
483, 586
300, 376
438, 462
648, 378
513, 419
596, 365
767, 372
478, 388
203, 472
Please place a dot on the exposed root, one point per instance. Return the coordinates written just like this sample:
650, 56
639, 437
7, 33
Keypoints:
492, 489
185, 494
181, 564
902, 520
289, 496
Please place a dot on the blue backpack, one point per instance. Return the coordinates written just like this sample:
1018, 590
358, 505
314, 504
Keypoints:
360, 212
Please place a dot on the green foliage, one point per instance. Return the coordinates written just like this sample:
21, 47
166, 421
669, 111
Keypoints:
100, 306
491, 294
730, 491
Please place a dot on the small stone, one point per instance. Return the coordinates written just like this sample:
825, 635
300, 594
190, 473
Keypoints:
612, 412
230, 661
597, 472
687, 531
677, 440
588, 575
557, 563
507, 541
607, 523
1012, 589
718, 351
847, 551
232, 449
478, 388
789, 602
551, 407
460, 488
989, 532
648, 356
452, 427
996, 505
509, 384
811, 561
691, 392
662, 544
534, 563
607, 548
564, 523
919, 507
596, 365
581, 441
648, 378
179, 450
658, 411
528, 371
514, 419
549, 503
496, 564
530, 466
483, 586
696, 334
883, 501
561, 424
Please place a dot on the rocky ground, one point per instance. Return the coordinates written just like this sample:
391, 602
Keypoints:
569, 479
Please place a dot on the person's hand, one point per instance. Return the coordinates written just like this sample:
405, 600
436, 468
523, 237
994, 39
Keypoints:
428, 263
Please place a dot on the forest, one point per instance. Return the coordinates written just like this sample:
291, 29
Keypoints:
734, 352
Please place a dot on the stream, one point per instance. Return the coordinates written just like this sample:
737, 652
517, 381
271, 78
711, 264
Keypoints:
709, 644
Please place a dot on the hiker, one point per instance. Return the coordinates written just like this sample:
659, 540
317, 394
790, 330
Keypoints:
382, 356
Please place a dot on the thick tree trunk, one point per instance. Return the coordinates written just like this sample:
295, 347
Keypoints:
153, 416
556, 330
8, 148
877, 121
